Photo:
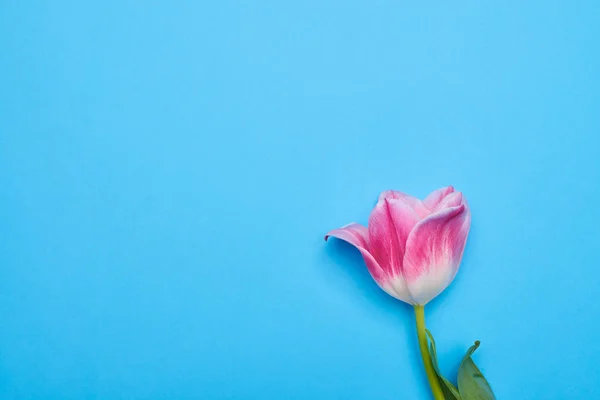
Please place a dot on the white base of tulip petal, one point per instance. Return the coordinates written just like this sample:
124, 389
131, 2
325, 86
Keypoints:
396, 287
427, 286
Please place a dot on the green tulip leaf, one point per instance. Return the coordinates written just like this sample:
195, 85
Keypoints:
450, 391
471, 382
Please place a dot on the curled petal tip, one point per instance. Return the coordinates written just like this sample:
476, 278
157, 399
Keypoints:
353, 233
437, 196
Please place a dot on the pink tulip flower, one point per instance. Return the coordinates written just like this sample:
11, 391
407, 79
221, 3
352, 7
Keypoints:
412, 248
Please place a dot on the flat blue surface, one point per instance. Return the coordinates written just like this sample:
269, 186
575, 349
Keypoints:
168, 171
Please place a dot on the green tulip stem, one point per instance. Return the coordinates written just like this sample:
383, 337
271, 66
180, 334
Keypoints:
436, 389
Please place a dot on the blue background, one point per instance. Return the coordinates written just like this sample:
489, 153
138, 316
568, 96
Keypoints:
168, 171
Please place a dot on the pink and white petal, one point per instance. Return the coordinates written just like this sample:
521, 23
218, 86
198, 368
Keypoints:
434, 251
374, 268
453, 199
413, 202
390, 224
356, 235
396, 287
437, 196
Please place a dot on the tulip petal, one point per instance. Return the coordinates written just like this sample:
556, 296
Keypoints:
357, 235
453, 199
390, 224
437, 196
434, 250
396, 287
353, 233
414, 203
